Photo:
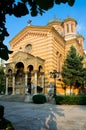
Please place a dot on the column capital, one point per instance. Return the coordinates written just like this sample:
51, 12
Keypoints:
42, 73
25, 72
35, 70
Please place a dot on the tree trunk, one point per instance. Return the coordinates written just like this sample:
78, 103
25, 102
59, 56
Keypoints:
70, 89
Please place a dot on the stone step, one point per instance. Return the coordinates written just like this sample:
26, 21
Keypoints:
28, 98
23, 98
17, 98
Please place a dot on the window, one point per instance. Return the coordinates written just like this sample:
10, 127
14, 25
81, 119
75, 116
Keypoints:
72, 27
28, 48
67, 28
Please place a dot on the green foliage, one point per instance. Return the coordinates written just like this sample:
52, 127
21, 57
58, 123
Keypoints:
1, 111
84, 73
39, 99
71, 100
59, 99
82, 99
4, 123
70, 2
22, 8
2, 80
2, 89
73, 71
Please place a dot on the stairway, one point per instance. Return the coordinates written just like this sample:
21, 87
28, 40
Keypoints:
16, 98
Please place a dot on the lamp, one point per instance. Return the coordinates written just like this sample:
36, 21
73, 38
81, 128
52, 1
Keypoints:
54, 75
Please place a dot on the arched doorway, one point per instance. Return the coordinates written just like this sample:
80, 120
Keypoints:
19, 78
19, 67
30, 69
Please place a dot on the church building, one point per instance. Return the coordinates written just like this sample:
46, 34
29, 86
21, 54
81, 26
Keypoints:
38, 51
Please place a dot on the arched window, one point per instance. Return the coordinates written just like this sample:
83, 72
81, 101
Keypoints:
10, 72
67, 28
28, 48
40, 68
30, 68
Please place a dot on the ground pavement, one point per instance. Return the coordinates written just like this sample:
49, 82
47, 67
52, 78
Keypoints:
29, 116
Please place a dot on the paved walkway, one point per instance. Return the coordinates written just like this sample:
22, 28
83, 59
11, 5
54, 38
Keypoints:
29, 116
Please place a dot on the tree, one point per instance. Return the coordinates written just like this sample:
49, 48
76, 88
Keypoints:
83, 85
72, 70
22, 8
2, 80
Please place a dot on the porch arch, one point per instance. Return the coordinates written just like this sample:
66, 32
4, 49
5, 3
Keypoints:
19, 78
19, 66
30, 68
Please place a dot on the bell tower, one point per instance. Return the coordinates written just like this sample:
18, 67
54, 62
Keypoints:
69, 25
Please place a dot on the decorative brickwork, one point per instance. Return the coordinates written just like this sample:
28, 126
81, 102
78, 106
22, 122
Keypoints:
49, 47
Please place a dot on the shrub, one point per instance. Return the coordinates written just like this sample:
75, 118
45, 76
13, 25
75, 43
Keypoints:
59, 99
2, 89
39, 98
82, 100
71, 99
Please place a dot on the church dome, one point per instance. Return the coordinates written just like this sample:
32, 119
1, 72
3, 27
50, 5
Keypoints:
70, 19
54, 20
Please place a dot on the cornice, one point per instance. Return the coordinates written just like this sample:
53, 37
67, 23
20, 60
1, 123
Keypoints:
70, 19
40, 58
27, 29
80, 36
23, 53
71, 40
60, 38
34, 31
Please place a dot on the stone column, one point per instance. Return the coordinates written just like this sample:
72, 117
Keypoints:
69, 28
60, 60
13, 84
35, 82
42, 81
26, 76
6, 92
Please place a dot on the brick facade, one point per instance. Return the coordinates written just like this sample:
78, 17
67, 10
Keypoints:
41, 49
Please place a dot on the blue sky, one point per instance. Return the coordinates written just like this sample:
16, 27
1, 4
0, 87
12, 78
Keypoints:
78, 12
